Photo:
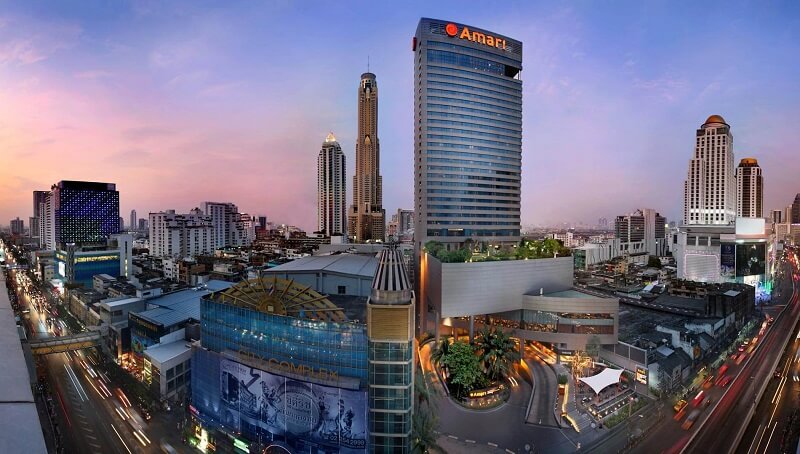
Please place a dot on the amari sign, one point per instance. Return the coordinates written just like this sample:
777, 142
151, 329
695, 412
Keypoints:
486, 39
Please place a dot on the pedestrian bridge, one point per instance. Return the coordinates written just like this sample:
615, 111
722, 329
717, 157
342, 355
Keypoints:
48, 345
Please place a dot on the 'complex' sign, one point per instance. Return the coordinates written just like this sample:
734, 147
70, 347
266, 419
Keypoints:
476, 37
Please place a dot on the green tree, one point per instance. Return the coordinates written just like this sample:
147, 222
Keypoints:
654, 262
441, 350
464, 367
424, 424
562, 379
497, 351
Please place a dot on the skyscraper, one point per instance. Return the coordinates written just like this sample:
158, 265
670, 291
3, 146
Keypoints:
467, 134
39, 204
710, 186
367, 219
134, 220
644, 225
17, 226
794, 210
81, 212
749, 189
331, 188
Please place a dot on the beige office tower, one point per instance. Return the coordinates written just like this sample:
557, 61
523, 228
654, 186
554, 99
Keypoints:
367, 219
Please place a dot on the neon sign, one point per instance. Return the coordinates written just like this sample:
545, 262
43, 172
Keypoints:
476, 37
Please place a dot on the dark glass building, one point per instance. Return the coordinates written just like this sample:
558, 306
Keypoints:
467, 134
84, 212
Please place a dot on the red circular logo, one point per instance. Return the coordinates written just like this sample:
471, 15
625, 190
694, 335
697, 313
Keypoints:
451, 29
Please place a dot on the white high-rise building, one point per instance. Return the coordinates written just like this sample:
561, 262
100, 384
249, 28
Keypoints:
749, 189
223, 216
331, 187
134, 221
710, 186
181, 235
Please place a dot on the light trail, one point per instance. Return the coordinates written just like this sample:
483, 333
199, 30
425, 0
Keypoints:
120, 439
75, 382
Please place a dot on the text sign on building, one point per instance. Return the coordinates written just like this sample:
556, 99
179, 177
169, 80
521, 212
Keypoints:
476, 37
641, 375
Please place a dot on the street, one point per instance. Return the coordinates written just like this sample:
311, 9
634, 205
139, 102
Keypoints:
96, 416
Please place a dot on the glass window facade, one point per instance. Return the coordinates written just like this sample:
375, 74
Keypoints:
340, 347
85, 212
391, 390
468, 136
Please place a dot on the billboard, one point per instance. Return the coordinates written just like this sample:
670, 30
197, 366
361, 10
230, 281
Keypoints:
751, 259
295, 409
727, 260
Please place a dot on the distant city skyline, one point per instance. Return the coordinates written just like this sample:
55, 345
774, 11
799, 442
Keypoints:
179, 103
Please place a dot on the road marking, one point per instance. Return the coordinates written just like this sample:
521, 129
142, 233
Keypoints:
510, 451
494, 445
453, 437
469, 441
756, 438
766, 446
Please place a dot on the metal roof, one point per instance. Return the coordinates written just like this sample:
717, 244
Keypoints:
162, 353
358, 265
177, 307
391, 275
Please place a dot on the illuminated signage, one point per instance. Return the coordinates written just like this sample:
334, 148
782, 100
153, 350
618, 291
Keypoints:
239, 444
641, 375
297, 369
476, 37
99, 258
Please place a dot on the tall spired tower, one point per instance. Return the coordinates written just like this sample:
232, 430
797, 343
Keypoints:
366, 219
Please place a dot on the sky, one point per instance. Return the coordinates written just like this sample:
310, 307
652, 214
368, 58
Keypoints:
181, 102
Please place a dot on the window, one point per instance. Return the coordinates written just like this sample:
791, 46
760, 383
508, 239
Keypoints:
341, 289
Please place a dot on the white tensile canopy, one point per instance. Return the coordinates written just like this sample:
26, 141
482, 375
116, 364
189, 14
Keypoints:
600, 381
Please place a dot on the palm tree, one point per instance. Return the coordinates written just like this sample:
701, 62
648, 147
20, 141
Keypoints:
422, 389
497, 351
441, 350
424, 432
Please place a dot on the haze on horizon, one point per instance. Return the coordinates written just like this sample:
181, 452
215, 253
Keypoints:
181, 102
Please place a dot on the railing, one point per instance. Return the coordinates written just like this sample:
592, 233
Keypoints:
48, 345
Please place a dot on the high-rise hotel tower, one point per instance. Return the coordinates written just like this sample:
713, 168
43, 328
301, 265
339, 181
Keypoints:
467, 134
367, 219
749, 189
710, 186
331, 187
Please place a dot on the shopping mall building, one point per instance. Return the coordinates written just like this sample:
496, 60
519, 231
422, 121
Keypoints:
279, 364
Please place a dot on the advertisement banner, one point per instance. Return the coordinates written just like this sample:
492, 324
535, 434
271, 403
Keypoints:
295, 409
727, 260
751, 259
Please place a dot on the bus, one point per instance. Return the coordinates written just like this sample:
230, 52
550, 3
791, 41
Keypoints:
721, 373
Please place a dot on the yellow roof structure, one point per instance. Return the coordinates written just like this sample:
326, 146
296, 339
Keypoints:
273, 295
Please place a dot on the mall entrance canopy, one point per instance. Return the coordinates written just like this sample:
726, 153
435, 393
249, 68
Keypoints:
602, 380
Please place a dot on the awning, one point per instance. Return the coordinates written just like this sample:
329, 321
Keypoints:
600, 381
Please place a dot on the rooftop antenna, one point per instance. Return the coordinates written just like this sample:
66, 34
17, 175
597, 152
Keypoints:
367, 62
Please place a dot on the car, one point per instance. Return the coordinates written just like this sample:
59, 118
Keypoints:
690, 420
725, 381
680, 405
777, 374
741, 348
707, 402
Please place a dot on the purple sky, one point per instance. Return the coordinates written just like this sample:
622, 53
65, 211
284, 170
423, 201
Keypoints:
181, 102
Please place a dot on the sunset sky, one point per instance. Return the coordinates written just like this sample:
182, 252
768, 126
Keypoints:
181, 102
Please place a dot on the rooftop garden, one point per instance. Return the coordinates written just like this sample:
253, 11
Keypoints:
481, 251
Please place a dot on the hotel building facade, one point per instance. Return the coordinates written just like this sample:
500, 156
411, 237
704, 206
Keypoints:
467, 134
